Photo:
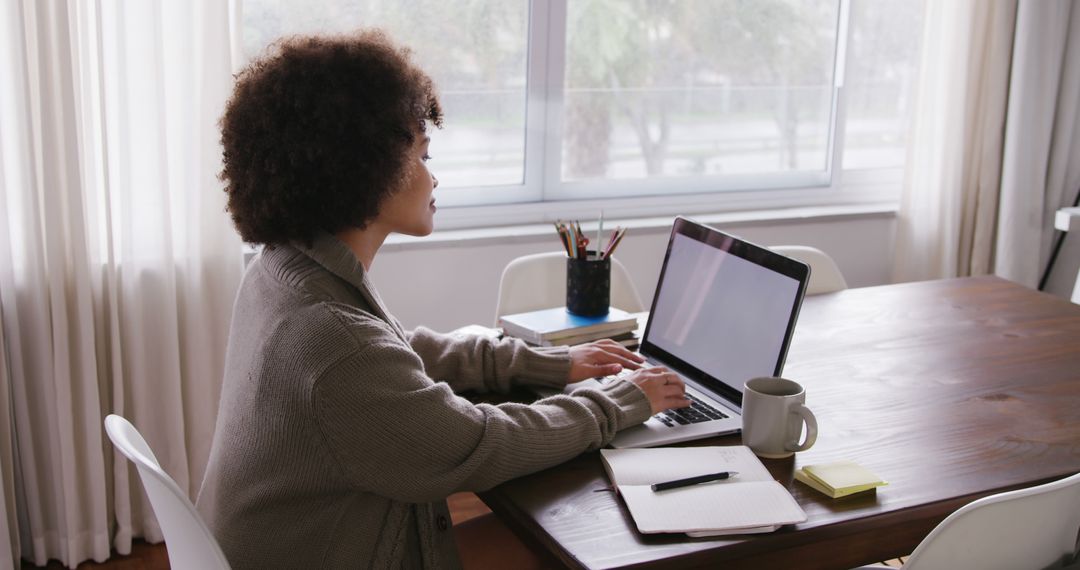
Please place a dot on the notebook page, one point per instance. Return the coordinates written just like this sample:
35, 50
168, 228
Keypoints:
659, 464
712, 506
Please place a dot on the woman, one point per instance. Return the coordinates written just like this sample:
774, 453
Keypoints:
339, 434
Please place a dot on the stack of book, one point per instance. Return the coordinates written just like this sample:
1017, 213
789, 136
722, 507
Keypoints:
555, 327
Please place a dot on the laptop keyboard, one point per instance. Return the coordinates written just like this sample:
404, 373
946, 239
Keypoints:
697, 412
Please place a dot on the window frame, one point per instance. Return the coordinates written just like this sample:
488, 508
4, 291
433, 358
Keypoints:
544, 196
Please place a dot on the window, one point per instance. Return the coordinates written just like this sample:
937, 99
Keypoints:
881, 71
476, 52
717, 95
563, 100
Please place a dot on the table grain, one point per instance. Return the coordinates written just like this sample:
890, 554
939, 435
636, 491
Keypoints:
950, 390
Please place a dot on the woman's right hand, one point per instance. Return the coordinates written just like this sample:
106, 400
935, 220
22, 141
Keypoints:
663, 387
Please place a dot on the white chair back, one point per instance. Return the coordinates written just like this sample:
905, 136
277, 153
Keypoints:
825, 275
1038, 527
188, 540
538, 281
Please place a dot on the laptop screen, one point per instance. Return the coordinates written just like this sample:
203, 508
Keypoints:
724, 309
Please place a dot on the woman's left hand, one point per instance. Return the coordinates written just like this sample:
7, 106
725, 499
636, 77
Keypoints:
601, 358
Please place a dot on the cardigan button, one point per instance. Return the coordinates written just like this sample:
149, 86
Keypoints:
442, 523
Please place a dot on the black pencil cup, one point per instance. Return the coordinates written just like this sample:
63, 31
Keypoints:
588, 285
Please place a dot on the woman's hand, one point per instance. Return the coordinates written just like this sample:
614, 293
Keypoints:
663, 387
601, 358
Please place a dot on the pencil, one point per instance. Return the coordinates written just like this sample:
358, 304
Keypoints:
573, 240
599, 237
561, 230
619, 233
611, 239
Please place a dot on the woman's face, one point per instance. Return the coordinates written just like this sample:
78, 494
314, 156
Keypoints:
411, 210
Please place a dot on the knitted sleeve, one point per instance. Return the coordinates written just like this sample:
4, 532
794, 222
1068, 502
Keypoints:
473, 362
398, 434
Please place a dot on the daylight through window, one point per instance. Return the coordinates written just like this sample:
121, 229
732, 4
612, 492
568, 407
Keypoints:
577, 99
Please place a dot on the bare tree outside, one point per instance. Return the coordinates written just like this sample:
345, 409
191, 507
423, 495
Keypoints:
699, 85
881, 70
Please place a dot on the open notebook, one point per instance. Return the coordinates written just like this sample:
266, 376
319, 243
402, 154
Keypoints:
751, 502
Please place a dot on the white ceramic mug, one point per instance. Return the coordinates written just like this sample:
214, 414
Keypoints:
774, 410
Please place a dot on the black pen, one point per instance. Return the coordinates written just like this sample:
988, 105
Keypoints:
693, 480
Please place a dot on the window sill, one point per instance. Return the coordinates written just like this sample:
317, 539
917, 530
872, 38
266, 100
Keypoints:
523, 233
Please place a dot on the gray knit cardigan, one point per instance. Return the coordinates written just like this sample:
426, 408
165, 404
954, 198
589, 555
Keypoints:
339, 435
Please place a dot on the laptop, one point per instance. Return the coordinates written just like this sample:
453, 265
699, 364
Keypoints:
724, 312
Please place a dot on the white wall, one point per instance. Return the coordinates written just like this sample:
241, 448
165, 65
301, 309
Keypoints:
446, 284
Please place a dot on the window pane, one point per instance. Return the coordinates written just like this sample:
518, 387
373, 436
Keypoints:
881, 72
474, 51
697, 87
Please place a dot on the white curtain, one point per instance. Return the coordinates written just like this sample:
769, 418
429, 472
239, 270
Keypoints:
118, 265
995, 146
948, 207
1041, 171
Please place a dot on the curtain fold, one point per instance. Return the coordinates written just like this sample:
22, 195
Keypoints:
948, 207
118, 264
1041, 171
995, 146
46, 297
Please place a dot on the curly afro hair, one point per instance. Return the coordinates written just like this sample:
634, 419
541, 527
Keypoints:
317, 132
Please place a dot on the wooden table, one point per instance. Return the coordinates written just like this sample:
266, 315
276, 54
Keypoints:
950, 390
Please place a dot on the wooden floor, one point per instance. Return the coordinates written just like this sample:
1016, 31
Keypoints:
463, 506
143, 557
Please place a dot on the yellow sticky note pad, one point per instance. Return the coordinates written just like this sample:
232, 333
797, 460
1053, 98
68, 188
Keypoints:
838, 479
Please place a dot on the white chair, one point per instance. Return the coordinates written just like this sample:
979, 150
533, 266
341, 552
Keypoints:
538, 281
188, 541
1068, 220
825, 276
1033, 528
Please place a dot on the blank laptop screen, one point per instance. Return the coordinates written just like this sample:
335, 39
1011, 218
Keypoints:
722, 314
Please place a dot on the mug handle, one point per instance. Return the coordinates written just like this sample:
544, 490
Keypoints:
811, 428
